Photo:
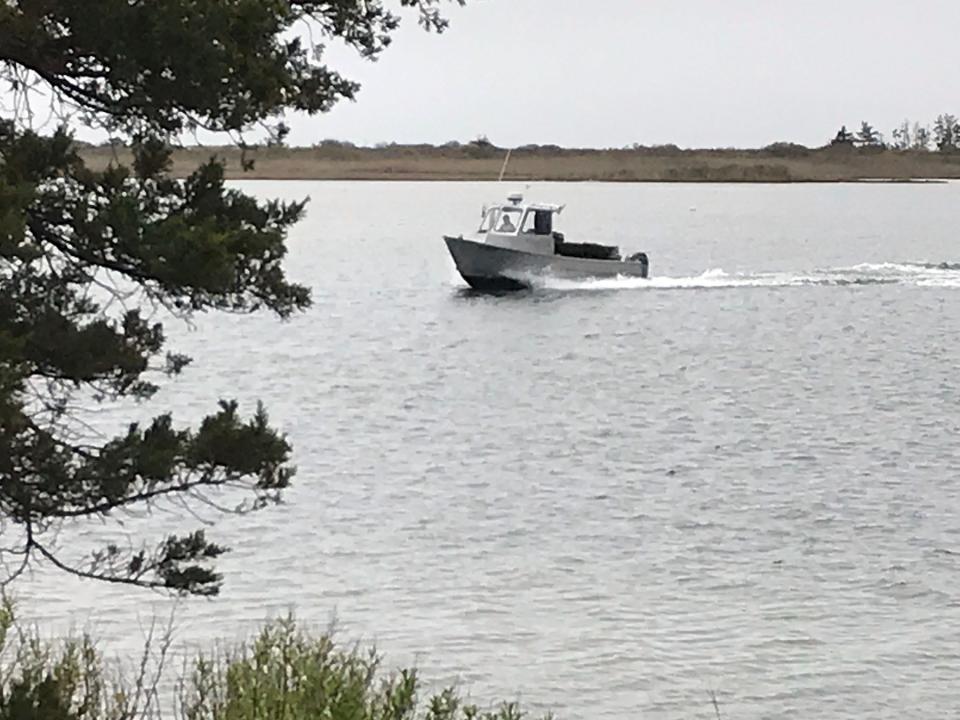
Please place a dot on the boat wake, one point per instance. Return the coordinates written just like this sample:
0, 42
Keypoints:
938, 275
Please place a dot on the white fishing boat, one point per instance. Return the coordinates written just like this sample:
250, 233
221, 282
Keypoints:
516, 245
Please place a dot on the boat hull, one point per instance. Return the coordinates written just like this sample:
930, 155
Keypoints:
491, 268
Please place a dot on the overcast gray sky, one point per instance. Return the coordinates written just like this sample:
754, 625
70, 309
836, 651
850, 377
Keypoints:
609, 73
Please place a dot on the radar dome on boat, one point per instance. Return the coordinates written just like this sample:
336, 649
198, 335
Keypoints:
516, 198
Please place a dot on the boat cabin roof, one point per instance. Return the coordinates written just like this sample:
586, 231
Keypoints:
515, 202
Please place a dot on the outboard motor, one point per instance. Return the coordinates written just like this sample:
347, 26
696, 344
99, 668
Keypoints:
641, 257
557, 242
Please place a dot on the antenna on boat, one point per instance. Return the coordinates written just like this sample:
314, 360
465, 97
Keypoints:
503, 170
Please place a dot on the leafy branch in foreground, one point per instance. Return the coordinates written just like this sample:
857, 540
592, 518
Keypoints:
185, 64
86, 241
88, 259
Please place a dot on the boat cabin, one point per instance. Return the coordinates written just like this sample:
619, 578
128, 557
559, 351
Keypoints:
520, 226
529, 227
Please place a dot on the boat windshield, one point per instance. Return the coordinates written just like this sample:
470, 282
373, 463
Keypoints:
509, 220
489, 220
538, 222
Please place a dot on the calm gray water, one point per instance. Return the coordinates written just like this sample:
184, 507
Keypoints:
606, 499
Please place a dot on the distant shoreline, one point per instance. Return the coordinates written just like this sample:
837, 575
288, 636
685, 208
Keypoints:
782, 163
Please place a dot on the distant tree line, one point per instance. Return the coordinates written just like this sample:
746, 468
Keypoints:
944, 136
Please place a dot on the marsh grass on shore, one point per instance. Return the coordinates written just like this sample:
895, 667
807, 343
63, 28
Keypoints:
779, 163
283, 673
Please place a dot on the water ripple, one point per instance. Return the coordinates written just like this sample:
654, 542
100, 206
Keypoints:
609, 502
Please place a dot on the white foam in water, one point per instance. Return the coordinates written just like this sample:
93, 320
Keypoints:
916, 274
944, 282
715, 278
945, 275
